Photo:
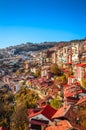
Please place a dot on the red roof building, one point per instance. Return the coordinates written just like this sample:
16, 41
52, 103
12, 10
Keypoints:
73, 90
48, 112
80, 71
41, 117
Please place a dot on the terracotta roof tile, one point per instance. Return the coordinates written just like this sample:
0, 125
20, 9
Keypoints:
82, 65
48, 112
34, 114
66, 85
72, 76
61, 125
52, 128
69, 94
61, 112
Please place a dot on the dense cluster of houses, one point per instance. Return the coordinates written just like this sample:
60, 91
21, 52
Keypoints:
72, 94
69, 57
74, 52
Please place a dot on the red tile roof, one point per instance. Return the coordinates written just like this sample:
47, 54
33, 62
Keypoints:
34, 114
48, 112
61, 112
69, 94
52, 128
75, 83
66, 85
82, 65
61, 125
72, 76
73, 91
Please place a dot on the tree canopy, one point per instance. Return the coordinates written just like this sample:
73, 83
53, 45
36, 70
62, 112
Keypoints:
19, 119
6, 106
55, 69
56, 103
83, 82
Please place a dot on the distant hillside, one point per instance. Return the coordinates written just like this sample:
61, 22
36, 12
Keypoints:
33, 47
45, 45
40, 46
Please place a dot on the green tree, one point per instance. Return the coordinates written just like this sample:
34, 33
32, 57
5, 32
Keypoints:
56, 103
83, 83
61, 79
55, 70
6, 106
27, 96
37, 73
19, 119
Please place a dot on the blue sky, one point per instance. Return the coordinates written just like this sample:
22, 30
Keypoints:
38, 21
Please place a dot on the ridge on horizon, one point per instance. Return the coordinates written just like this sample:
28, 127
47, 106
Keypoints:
46, 42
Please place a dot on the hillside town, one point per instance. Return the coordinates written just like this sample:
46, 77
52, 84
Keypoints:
56, 80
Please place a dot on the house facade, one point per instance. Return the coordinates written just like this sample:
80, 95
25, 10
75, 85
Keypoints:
80, 71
